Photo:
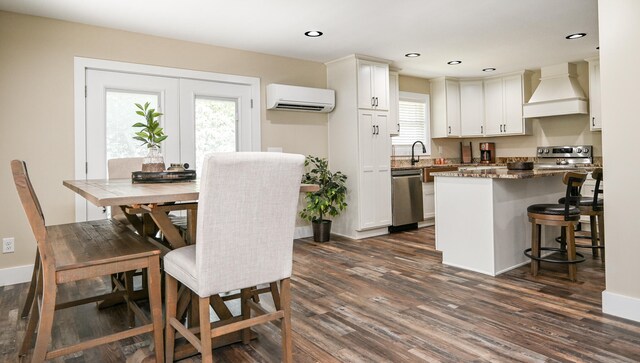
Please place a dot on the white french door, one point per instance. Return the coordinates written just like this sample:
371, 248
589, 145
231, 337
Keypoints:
202, 113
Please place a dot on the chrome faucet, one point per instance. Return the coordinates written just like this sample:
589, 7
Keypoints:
414, 160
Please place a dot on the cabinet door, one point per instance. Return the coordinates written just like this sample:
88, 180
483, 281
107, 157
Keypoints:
513, 121
471, 108
493, 106
381, 203
438, 109
381, 86
594, 96
428, 200
453, 108
368, 170
394, 110
365, 86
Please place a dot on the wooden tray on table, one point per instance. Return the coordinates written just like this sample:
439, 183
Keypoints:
163, 176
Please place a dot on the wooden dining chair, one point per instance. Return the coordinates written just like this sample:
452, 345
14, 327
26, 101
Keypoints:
78, 251
245, 226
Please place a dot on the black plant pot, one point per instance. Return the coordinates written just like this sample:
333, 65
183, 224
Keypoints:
321, 230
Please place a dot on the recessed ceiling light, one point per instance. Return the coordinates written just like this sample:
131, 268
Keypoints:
313, 33
453, 63
576, 35
412, 55
488, 69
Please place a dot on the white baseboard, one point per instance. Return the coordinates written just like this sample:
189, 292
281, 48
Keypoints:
620, 305
15, 275
303, 232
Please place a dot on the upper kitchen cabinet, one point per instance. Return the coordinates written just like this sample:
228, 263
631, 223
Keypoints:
503, 100
445, 108
594, 94
471, 108
394, 104
373, 85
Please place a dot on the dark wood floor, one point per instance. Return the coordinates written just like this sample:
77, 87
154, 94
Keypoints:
389, 299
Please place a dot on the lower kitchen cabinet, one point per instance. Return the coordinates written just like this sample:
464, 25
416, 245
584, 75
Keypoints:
428, 200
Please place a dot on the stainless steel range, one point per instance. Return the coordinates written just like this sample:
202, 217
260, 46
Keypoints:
564, 157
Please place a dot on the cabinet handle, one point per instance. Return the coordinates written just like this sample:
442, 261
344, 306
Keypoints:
373, 132
398, 128
482, 129
377, 130
449, 129
373, 101
500, 127
593, 121
505, 127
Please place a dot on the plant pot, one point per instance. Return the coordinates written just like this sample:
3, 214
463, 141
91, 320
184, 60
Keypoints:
154, 161
321, 230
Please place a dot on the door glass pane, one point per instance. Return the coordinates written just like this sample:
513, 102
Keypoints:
215, 127
121, 115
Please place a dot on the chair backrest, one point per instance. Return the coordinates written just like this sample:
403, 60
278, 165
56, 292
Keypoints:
598, 175
574, 182
32, 208
123, 167
246, 219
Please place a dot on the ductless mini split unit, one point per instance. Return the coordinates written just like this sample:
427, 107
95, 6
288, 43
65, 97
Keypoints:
295, 98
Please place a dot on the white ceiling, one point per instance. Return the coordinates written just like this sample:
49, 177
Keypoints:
509, 35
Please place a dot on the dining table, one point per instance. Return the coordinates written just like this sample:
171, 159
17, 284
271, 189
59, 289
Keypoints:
147, 207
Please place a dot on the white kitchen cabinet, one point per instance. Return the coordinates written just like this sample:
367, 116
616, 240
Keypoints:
394, 104
594, 95
373, 85
445, 108
503, 100
359, 145
471, 108
375, 169
428, 200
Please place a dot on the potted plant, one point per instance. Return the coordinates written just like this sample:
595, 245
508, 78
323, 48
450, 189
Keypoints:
151, 135
329, 200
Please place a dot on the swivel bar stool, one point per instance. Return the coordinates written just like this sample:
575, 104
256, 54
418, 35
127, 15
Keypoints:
592, 206
564, 215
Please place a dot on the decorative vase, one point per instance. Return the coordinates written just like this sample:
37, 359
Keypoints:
321, 230
154, 161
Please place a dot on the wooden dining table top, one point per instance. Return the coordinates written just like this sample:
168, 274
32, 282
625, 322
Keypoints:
109, 192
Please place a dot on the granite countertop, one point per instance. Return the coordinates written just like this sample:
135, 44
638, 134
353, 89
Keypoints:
502, 173
438, 166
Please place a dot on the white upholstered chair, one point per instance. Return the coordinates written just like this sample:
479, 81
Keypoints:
246, 220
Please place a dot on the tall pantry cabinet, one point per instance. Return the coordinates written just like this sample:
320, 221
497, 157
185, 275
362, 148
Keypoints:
360, 145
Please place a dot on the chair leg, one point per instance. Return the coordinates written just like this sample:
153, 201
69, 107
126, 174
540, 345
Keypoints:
571, 252
205, 330
594, 235
535, 247
155, 302
46, 319
285, 302
601, 233
563, 239
32, 323
245, 295
32, 287
171, 297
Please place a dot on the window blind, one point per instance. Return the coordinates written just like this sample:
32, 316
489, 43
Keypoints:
412, 123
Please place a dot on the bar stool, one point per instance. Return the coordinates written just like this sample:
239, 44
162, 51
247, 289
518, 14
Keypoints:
564, 215
594, 208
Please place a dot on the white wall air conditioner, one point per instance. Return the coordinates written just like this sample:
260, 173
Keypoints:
295, 98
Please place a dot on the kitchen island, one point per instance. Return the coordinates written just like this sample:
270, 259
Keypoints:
481, 216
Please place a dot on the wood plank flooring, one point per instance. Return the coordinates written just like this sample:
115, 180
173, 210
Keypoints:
389, 299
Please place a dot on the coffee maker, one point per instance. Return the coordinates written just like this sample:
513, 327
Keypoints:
487, 153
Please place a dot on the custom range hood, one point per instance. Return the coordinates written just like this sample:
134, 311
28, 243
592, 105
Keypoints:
558, 93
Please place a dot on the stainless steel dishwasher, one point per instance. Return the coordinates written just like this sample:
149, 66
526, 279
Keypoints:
406, 197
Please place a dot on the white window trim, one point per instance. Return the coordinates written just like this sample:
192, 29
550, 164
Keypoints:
81, 64
405, 150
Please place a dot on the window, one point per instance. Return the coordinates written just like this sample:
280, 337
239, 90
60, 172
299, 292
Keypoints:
414, 124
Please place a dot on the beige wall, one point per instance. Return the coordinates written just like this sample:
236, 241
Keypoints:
620, 48
36, 103
558, 130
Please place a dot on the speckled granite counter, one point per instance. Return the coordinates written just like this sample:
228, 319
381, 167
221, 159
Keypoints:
500, 173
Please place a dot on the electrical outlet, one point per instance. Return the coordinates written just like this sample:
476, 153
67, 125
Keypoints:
8, 245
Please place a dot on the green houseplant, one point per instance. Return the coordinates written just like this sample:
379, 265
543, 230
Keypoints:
151, 135
329, 200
